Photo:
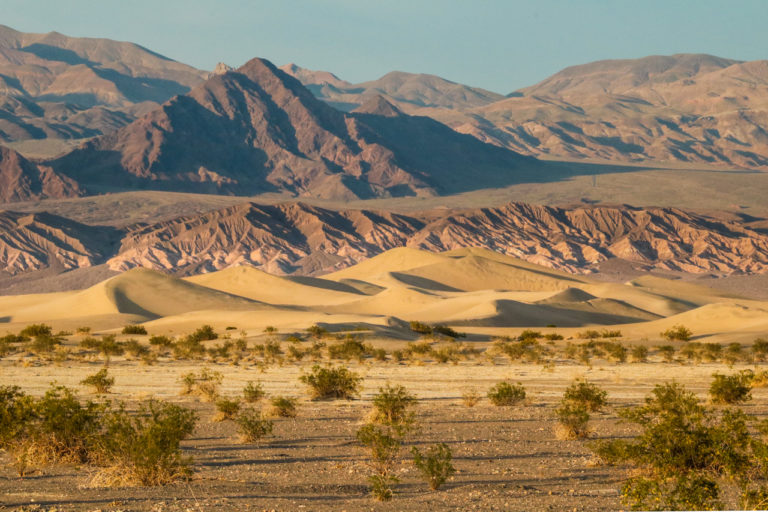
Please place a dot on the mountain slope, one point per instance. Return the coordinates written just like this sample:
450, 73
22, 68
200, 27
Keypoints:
56, 86
257, 129
686, 108
21, 179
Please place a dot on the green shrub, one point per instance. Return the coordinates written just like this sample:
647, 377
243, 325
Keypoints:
383, 444
588, 335
350, 348
317, 332
435, 465
677, 333
330, 383
553, 336
44, 343
99, 381
144, 448
284, 407
205, 383
760, 349
731, 389
226, 409
161, 341
421, 328
607, 333
506, 394
587, 394
135, 349
204, 333
667, 353
447, 331
393, 406
573, 418
252, 425
529, 335
253, 392
639, 353
685, 452
134, 329
33, 330
17, 412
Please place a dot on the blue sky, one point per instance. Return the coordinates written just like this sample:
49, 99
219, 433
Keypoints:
499, 45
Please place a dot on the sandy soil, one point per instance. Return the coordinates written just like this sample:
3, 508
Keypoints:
508, 458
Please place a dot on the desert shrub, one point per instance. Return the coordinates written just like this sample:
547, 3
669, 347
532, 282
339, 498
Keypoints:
160, 341
587, 394
505, 394
667, 353
677, 333
252, 425
99, 381
350, 348
317, 332
294, 339
760, 349
16, 413
528, 350
393, 405
205, 383
607, 333
616, 351
253, 392
204, 333
447, 353
639, 353
573, 419
553, 336
134, 329
57, 429
435, 465
731, 389
683, 452
529, 335
83, 330
470, 397
295, 353
135, 349
108, 347
226, 409
421, 348
447, 331
284, 407
380, 354
733, 353
44, 343
144, 448
330, 383
588, 335
383, 444
33, 330
711, 351
421, 328
398, 355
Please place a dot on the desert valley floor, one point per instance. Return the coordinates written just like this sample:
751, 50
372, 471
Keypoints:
507, 458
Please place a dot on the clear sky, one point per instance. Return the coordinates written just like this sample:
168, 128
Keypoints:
496, 44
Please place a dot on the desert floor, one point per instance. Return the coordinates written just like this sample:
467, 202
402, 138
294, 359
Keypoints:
508, 458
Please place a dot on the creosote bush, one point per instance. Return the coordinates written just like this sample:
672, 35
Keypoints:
99, 381
677, 333
393, 405
284, 407
204, 383
434, 465
505, 394
731, 389
226, 409
252, 425
253, 392
144, 448
573, 420
330, 383
587, 394
686, 453
134, 329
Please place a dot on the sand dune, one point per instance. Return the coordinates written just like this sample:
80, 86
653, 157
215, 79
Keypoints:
251, 283
477, 290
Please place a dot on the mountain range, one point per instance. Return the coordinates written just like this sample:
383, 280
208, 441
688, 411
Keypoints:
297, 238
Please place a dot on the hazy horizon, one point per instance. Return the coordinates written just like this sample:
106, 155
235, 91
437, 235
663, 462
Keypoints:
500, 46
